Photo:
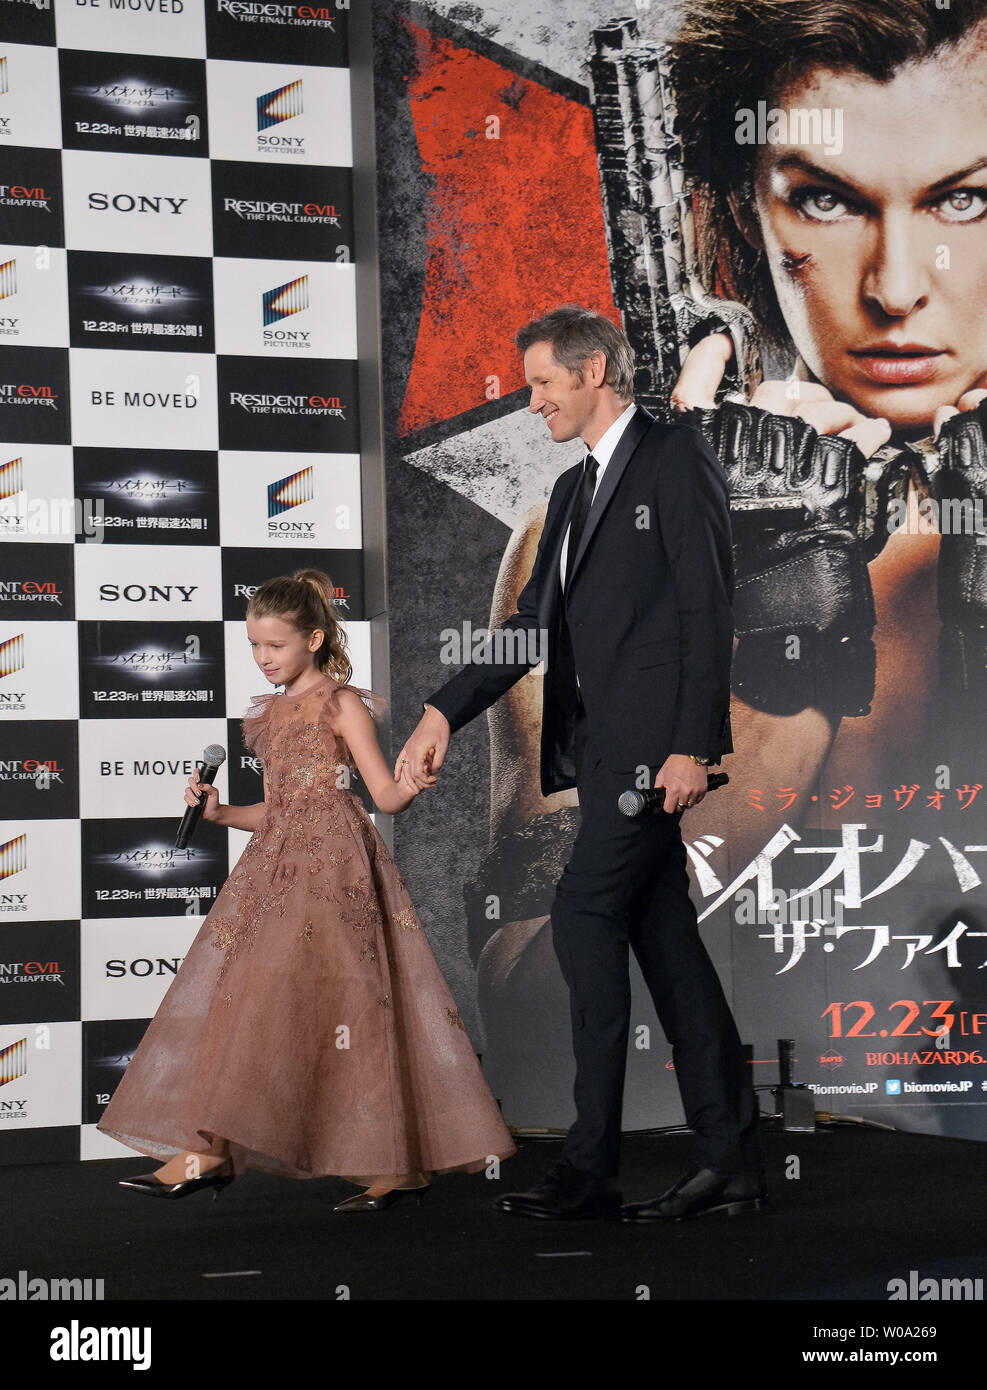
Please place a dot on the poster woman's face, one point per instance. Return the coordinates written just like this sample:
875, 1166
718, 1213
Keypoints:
878, 252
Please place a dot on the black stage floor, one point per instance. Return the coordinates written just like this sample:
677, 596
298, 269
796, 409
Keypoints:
809, 1278
849, 1211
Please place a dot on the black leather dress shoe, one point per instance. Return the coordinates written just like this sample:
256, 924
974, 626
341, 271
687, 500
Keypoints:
564, 1194
701, 1192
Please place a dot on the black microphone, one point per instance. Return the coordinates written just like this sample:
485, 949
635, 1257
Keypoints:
214, 757
653, 799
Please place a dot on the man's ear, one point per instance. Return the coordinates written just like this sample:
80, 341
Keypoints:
597, 365
745, 215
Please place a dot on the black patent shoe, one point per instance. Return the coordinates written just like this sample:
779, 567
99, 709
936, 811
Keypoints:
702, 1192
565, 1193
152, 1186
364, 1202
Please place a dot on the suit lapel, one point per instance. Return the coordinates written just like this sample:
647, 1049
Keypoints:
551, 592
639, 425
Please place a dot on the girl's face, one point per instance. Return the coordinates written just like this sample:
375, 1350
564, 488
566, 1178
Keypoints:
878, 252
285, 655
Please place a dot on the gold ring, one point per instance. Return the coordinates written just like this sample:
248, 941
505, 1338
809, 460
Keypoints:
683, 806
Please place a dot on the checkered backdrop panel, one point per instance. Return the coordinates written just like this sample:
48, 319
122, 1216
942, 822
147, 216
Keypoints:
177, 424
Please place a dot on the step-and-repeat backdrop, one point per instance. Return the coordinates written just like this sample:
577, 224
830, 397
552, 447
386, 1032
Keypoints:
177, 424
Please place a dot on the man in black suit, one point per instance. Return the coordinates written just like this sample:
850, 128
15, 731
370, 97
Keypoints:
629, 601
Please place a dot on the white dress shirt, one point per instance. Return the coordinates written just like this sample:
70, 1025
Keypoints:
603, 453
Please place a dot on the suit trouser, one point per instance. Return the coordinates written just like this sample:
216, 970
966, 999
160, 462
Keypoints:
626, 884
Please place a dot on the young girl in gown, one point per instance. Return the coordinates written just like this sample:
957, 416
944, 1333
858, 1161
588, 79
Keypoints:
309, 1031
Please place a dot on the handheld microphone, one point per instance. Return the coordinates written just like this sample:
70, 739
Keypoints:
653, 799
213, 756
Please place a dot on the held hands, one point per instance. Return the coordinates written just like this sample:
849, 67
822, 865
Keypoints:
211, 808
424, 753
684, 782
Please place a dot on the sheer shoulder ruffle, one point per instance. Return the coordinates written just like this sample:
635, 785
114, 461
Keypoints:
255, 724
375, 703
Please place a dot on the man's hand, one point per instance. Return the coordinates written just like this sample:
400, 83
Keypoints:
424, 753
683, 780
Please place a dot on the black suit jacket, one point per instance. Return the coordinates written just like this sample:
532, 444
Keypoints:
648, 604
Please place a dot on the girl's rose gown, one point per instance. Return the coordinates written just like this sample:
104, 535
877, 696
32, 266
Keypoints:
310, 1025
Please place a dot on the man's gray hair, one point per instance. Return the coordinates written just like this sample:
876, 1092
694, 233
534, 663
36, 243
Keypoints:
576, 333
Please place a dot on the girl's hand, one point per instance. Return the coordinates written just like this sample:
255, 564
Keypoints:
210, 810
412, 788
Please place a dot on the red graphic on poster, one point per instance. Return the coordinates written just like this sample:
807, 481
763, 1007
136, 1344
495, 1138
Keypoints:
515, 223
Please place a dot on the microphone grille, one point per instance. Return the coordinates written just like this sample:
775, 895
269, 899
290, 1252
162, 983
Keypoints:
214, 754
631, 803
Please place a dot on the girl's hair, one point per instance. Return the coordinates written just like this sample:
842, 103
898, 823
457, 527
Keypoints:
307, 600
729, 54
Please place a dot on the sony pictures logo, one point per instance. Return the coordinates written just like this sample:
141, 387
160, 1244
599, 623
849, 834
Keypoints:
283, 104
280, 303
12, 661
282, 496
13, 860
12, 655
13, 1062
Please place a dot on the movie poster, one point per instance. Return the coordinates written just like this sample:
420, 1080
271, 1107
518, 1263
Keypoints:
799, 210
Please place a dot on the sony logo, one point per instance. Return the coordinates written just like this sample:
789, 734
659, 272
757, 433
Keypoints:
140, 202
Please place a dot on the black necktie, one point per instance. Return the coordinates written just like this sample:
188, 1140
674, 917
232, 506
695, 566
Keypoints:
584, 500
